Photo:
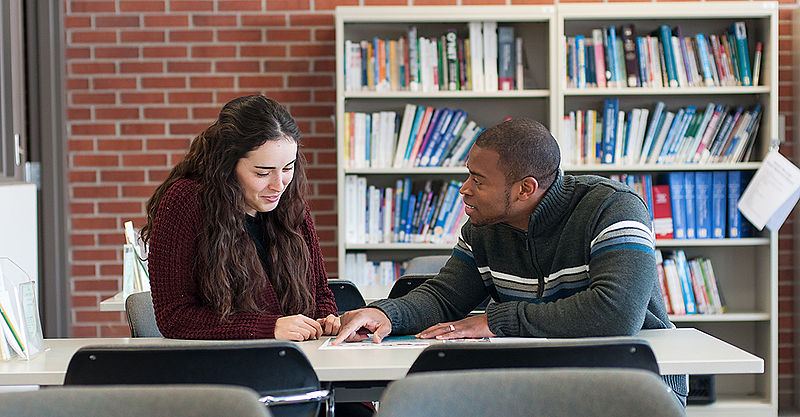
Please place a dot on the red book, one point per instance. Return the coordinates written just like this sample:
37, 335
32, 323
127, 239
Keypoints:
662, 212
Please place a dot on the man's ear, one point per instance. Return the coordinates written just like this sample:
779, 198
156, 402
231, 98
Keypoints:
528, 187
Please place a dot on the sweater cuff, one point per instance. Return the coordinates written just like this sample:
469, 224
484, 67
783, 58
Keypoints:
388, 307
502, 318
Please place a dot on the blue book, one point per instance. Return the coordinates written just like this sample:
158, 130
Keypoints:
652, 130
702, 203
677, 122
702, 50
676, 182
665, 34
409, 210
403, 209
454, 127
689, 196
433, 126
580, 71
686, 282
647, 184
742, 54
610, 112
681, 134
436, 137
611, 56
641, 46
738, 226
719, 204
414, 132
398, 204
447, 204
368, 138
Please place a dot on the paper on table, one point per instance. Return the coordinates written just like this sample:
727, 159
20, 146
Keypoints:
394, 342
772, 193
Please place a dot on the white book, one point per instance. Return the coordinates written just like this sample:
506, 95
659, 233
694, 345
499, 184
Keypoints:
637, 146
374, 139
662, 137
351, 216
476, 55
621, 133
360, 140
374, 210
405, 130
362, 277
361, 208
655, 55
674, 286
681, 69
388, 214
567, 139
350, 268
490, 56
632, 134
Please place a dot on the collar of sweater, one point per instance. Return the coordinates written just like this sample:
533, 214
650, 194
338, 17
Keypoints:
555, 202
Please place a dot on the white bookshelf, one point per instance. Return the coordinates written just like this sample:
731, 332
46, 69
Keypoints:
746, 268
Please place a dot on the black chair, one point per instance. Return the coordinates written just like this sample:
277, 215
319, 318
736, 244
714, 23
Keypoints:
406, 283
346, 294
573, 354
277, 370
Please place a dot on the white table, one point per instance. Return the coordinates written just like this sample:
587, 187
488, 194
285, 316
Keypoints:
677, 351
115, 303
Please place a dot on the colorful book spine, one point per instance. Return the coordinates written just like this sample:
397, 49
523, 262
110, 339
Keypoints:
678, 199
610, 114
702, 198
665, 34
719, 207
689, 196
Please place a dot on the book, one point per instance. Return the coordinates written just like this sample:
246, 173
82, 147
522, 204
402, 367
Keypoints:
476, 55
738, 225
702, 191
599, 58
674, 286
490, 56
519, 67
665, 34
631, 57
453, 128
757, 64
662, 281
505, 58
662, 212
719, 185
610, 113
433, 127
742, 54
580, 59
677, 195
686, 284
651, 131
689, 207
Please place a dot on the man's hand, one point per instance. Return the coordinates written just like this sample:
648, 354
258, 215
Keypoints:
297, 328
330, 325
357, 324
473, 327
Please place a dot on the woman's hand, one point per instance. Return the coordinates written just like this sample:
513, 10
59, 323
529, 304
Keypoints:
330, 325
297, 328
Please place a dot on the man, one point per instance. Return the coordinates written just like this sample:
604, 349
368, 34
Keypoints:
560, 255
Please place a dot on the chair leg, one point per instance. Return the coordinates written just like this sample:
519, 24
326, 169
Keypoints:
330, 404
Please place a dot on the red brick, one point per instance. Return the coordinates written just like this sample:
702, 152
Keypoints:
177, 157
116, 52
324, 35
78, 114
116, 113
117, 207
92, 6
93, 98
226, 96
331, 4
190, 97
191, 35
84, 331
93, 129
236, 66
110, 239
264, 20
283, 35
82, 270
165, 113
77, 83
116, 21
468, 2
94, 223
312, 111
94, 254
205, 113
113, 177
142, 98
261, 81
93, 68
286, 66
166, 21
82, 176
317, 142
94, 191
321, 204
239, 35
138, 190
314, 172
181, 66
84, 301
97, 316
213, 51
163, 82
141, 67
280, 5
142, 36
214, 20
324, 65
119, 330
82, 208
210, 82
74, 22
322, 96
113, 83
239, 5
312, 50
191, 6
78, 53
164, 51
311, 19
95, 160
263, 51
167, 144
75, 145
157, 175
141, 6
324, 158
310, 81
143, 160
142, 129
131, 144
95, 36
186, 128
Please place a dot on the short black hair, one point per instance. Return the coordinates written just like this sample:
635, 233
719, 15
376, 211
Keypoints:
526, 149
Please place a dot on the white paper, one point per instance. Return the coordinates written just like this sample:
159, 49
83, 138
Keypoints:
772, 193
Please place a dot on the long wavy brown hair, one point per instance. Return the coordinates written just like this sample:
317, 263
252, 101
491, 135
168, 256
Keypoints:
228, 267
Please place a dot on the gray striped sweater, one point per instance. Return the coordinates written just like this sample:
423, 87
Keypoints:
585, 267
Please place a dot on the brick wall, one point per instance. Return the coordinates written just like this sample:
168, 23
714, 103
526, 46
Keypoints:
144, 77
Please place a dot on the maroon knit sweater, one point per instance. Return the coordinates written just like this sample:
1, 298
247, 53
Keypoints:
180, 311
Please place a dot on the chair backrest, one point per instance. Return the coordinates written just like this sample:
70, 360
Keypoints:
555, 392
346, 294
428, 264
134, 401
406, 283
141, 317
268, 367
579, 354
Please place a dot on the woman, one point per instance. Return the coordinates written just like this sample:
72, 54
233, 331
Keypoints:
233, 253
